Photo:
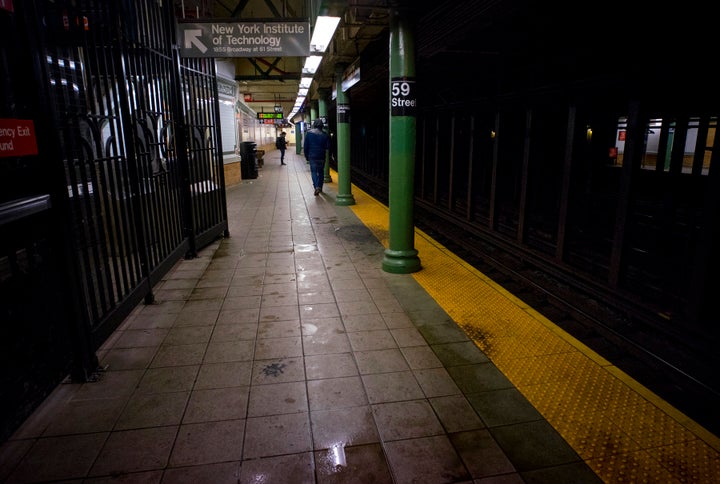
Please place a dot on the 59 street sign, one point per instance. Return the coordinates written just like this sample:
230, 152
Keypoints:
403, 99
244, 39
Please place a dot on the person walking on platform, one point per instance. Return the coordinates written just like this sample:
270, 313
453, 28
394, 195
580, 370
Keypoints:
317, 142
281, 144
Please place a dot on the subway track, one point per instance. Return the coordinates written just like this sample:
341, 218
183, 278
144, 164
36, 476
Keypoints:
663, 362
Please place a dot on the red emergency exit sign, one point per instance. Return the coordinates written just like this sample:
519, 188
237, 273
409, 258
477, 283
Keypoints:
17, 137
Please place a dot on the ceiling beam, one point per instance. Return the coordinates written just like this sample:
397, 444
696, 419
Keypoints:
290, 100
239, 8
290, 76
271, 66
272, 8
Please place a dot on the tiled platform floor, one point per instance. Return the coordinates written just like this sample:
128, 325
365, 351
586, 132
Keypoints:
284, 354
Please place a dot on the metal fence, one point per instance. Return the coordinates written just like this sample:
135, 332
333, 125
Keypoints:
126, 180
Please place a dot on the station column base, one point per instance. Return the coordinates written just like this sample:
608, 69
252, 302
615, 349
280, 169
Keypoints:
345, 200
401, 261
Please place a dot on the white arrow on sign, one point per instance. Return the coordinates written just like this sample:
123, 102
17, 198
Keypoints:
192, 37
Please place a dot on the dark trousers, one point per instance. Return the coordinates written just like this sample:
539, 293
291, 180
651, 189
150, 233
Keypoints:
317, 172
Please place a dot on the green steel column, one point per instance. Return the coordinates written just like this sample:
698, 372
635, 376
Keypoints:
298, 137
323, 94
401, 256
344, 196
312, 116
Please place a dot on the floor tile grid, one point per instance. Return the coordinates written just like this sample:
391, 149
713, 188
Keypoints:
281, 268
343, 275
317, 342
309, 282
344, 258
377, 344
511, 415
189, 381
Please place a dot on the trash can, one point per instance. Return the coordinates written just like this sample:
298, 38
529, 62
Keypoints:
248, 160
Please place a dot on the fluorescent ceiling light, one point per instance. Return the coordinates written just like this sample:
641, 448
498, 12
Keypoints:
305, 82
303, 91
311, 64
323, 33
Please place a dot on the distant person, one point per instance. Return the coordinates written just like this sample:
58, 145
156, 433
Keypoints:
281, 144
317, 143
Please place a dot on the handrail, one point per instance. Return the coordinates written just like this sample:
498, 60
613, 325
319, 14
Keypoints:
23, 207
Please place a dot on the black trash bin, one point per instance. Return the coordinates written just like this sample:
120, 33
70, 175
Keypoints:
248, 160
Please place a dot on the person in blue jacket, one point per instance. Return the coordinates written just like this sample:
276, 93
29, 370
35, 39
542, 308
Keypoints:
317, 142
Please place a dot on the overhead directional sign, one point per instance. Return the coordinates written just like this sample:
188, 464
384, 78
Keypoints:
270, 115
244, 39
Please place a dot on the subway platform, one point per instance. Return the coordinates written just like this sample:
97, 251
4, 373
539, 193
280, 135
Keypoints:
285, 354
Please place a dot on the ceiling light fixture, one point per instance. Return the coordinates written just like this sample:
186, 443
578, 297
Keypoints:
305, 82
311, 64
323, 33
322, 36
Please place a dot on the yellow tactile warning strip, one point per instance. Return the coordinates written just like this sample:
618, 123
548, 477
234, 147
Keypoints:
624, 432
